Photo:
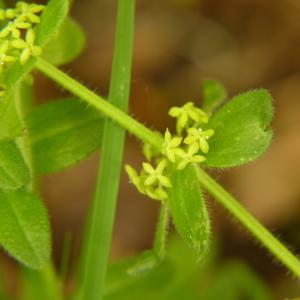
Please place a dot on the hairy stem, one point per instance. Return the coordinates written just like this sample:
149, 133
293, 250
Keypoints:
285, 256
161, 231
109, 110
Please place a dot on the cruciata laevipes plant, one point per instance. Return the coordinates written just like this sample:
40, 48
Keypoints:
59, 134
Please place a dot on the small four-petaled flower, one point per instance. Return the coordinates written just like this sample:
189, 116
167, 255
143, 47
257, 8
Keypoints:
28, 12
187, 113
155, 175
170, 146
28, 48
4, 56
199, 136
135, 178
190, 156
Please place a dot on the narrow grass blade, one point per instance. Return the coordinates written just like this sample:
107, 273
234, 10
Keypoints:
103, 210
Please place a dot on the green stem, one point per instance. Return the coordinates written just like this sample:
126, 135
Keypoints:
103, 211
249, 221
161, 231
146, 135
109, 110
40, 284
51, 284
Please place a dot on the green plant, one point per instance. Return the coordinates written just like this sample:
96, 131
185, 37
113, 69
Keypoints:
33, 141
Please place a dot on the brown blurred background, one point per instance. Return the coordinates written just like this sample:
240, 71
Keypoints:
244, 44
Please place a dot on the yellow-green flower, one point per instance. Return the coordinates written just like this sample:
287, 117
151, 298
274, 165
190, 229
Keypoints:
135, 178
187, 114
10, 13
190, 156
2, 14
156, 193
28, 12
197, 135
151, 181
27, 46
171, 145
4, 56
155, 175
149, 151
12, 29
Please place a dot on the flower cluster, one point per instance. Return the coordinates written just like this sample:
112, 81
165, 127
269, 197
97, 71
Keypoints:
17, 37
189, 146
151, 181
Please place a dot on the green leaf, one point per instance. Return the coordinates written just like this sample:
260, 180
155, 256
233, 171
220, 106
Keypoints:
66, 45
214, 94
188, 209
24, 228
242, 131
63, 133
163, 282
122, 286
10, 125
14, 172
144, 263
51, 19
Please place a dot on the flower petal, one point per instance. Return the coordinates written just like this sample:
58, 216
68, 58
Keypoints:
182, 164
198, 159
175, 142
193, 148
167, 136
164, 180
204, 145
190, 139
175, 111
161, 166
24, 57
181, 122
148, 168
171, 155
